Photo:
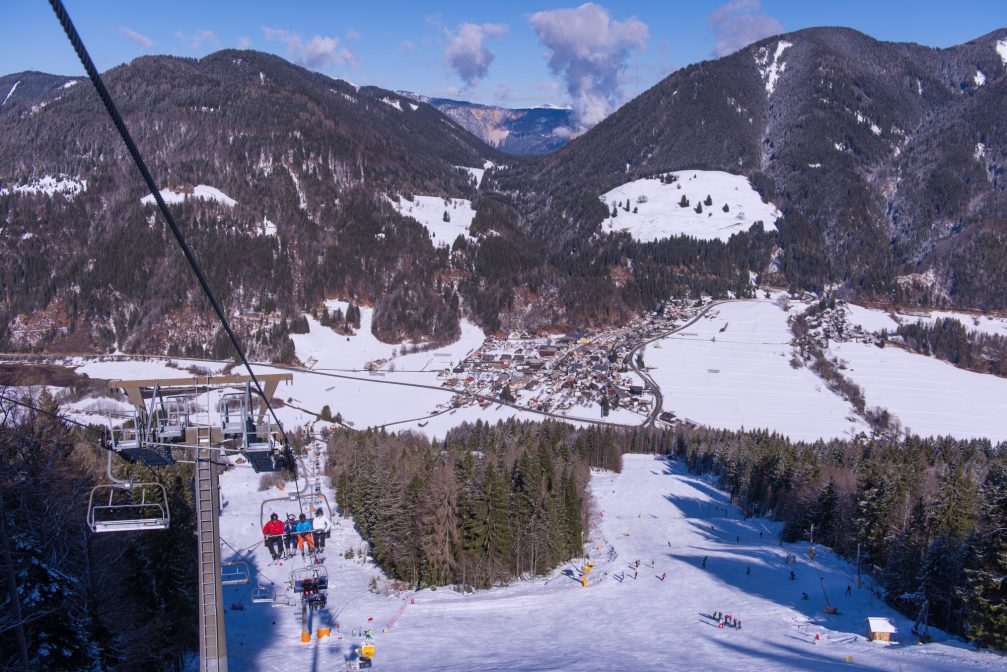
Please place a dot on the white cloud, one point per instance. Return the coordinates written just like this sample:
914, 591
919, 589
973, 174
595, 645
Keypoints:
316, 53
590, 52
142, 40
465, 53
199, 39
244, 42
739, 23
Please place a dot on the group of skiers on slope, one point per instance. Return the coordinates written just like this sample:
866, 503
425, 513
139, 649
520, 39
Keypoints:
726, 620
282, 538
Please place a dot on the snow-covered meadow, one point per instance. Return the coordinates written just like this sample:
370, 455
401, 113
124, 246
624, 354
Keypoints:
200, 191
732, 369
659, 213
928, 396
430, 212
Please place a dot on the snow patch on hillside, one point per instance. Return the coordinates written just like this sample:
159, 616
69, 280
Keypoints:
430, 210
476, 173
10, 93
979, 78
659, 214
268, 228
771, 70
870, 319
49, 185
732, 369
392, 102
1002, 50
200, 191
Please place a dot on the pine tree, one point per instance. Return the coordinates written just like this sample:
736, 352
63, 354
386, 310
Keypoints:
684, 203
709, 201
987, 586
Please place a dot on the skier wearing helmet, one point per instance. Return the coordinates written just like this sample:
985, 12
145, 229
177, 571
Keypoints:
272, 532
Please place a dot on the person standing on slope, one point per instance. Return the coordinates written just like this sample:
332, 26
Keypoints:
304, 535
272, 533
320, 527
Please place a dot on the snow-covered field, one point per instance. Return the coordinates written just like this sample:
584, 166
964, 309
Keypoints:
659, 214
200, 191
929, 396
875, 319
732, 369
653, 512
430, 210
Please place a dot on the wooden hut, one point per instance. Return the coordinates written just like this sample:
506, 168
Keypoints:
879, 629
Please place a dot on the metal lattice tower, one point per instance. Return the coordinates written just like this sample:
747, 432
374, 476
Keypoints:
212, 639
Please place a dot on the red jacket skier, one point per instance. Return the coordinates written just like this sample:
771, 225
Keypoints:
273, 533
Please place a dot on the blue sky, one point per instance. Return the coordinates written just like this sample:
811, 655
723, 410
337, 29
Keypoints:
513, 53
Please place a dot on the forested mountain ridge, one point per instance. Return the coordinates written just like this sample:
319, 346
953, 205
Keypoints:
887, 159
307, 159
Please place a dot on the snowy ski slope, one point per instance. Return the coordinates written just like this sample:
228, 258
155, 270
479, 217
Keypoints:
655, 512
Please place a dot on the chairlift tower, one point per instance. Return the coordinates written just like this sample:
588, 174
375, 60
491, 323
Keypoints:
163, 427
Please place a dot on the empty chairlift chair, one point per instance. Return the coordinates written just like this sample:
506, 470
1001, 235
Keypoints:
254, 442
171, 419
130, 442
123, 506
264, 594
128, 507
234, 574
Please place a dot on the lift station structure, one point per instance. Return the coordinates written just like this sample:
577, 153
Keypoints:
170, 423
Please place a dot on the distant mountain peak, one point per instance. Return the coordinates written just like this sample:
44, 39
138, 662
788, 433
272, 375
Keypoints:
527, 131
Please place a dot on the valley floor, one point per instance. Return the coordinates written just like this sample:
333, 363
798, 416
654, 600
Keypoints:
654, 512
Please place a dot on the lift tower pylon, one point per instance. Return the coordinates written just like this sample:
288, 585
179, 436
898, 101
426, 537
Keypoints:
212, 639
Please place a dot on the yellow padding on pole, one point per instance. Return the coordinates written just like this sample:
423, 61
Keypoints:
305, 637
324, 632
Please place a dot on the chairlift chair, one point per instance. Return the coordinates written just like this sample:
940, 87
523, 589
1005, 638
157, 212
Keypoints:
234, 573
308, 501
312, 583
112, 507
171, 418
130, 443
264, 594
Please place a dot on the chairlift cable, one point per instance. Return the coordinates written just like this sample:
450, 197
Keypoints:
106, 99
